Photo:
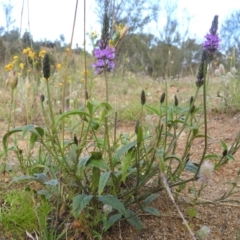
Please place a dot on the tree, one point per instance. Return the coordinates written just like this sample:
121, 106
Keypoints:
230, 31
134, 13
230, 37
8, 15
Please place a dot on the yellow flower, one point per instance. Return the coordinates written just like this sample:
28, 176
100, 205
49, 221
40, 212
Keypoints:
60, 84
42, 53
59, 66
85, 73
82, 80
8, 67
32, 54
26, 50
21, 65
15, 58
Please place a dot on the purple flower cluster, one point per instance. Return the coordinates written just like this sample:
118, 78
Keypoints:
105, 58
211, 43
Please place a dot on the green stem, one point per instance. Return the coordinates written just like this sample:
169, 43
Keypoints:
205, 117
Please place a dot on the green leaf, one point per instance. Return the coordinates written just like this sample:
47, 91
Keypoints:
208, 156
170, 114
192, 212
114, 202
152, 211
125, 165
52, 182
24, 129
230, 157
95, 179
224, 145
70, 113
27, 129
98, 164
150, 199
45, 193
134, 220
79, 203
94, 124
154, 110
191, 167
24, 177
123, 150
113, 219
92, 106
81, 165
72, 155
103, 181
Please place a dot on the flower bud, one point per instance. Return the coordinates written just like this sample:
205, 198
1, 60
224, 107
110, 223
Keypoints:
143, 97
175, 101
12, 80
162, 98
46, 66
42, 98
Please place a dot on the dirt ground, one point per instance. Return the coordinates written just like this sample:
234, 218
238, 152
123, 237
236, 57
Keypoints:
223, 218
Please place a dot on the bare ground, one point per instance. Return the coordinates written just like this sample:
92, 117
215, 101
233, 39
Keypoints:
223, 218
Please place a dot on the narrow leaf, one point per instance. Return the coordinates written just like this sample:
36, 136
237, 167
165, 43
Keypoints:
113, 219
103, 181
152, 211
79, 203
134, 220
114, 202
150, 199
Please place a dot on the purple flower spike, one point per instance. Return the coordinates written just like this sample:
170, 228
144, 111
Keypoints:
212, 40
105, 58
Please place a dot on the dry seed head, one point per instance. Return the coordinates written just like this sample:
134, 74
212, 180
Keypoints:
42, 98
136, 126
225, 152
46, 66
75, 140
205, 173
143, 97
162, 98
175, 101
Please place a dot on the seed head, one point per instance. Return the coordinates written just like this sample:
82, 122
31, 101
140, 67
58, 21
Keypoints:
75, 140
42, 98
225, 152
136, 126
107, 209
46, 66
205, 173
162, 98
202, 70
143, 97
175, 101
203, 232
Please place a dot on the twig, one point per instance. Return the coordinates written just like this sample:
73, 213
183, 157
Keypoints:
165, 184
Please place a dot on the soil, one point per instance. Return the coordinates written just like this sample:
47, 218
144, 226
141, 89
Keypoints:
222, 217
